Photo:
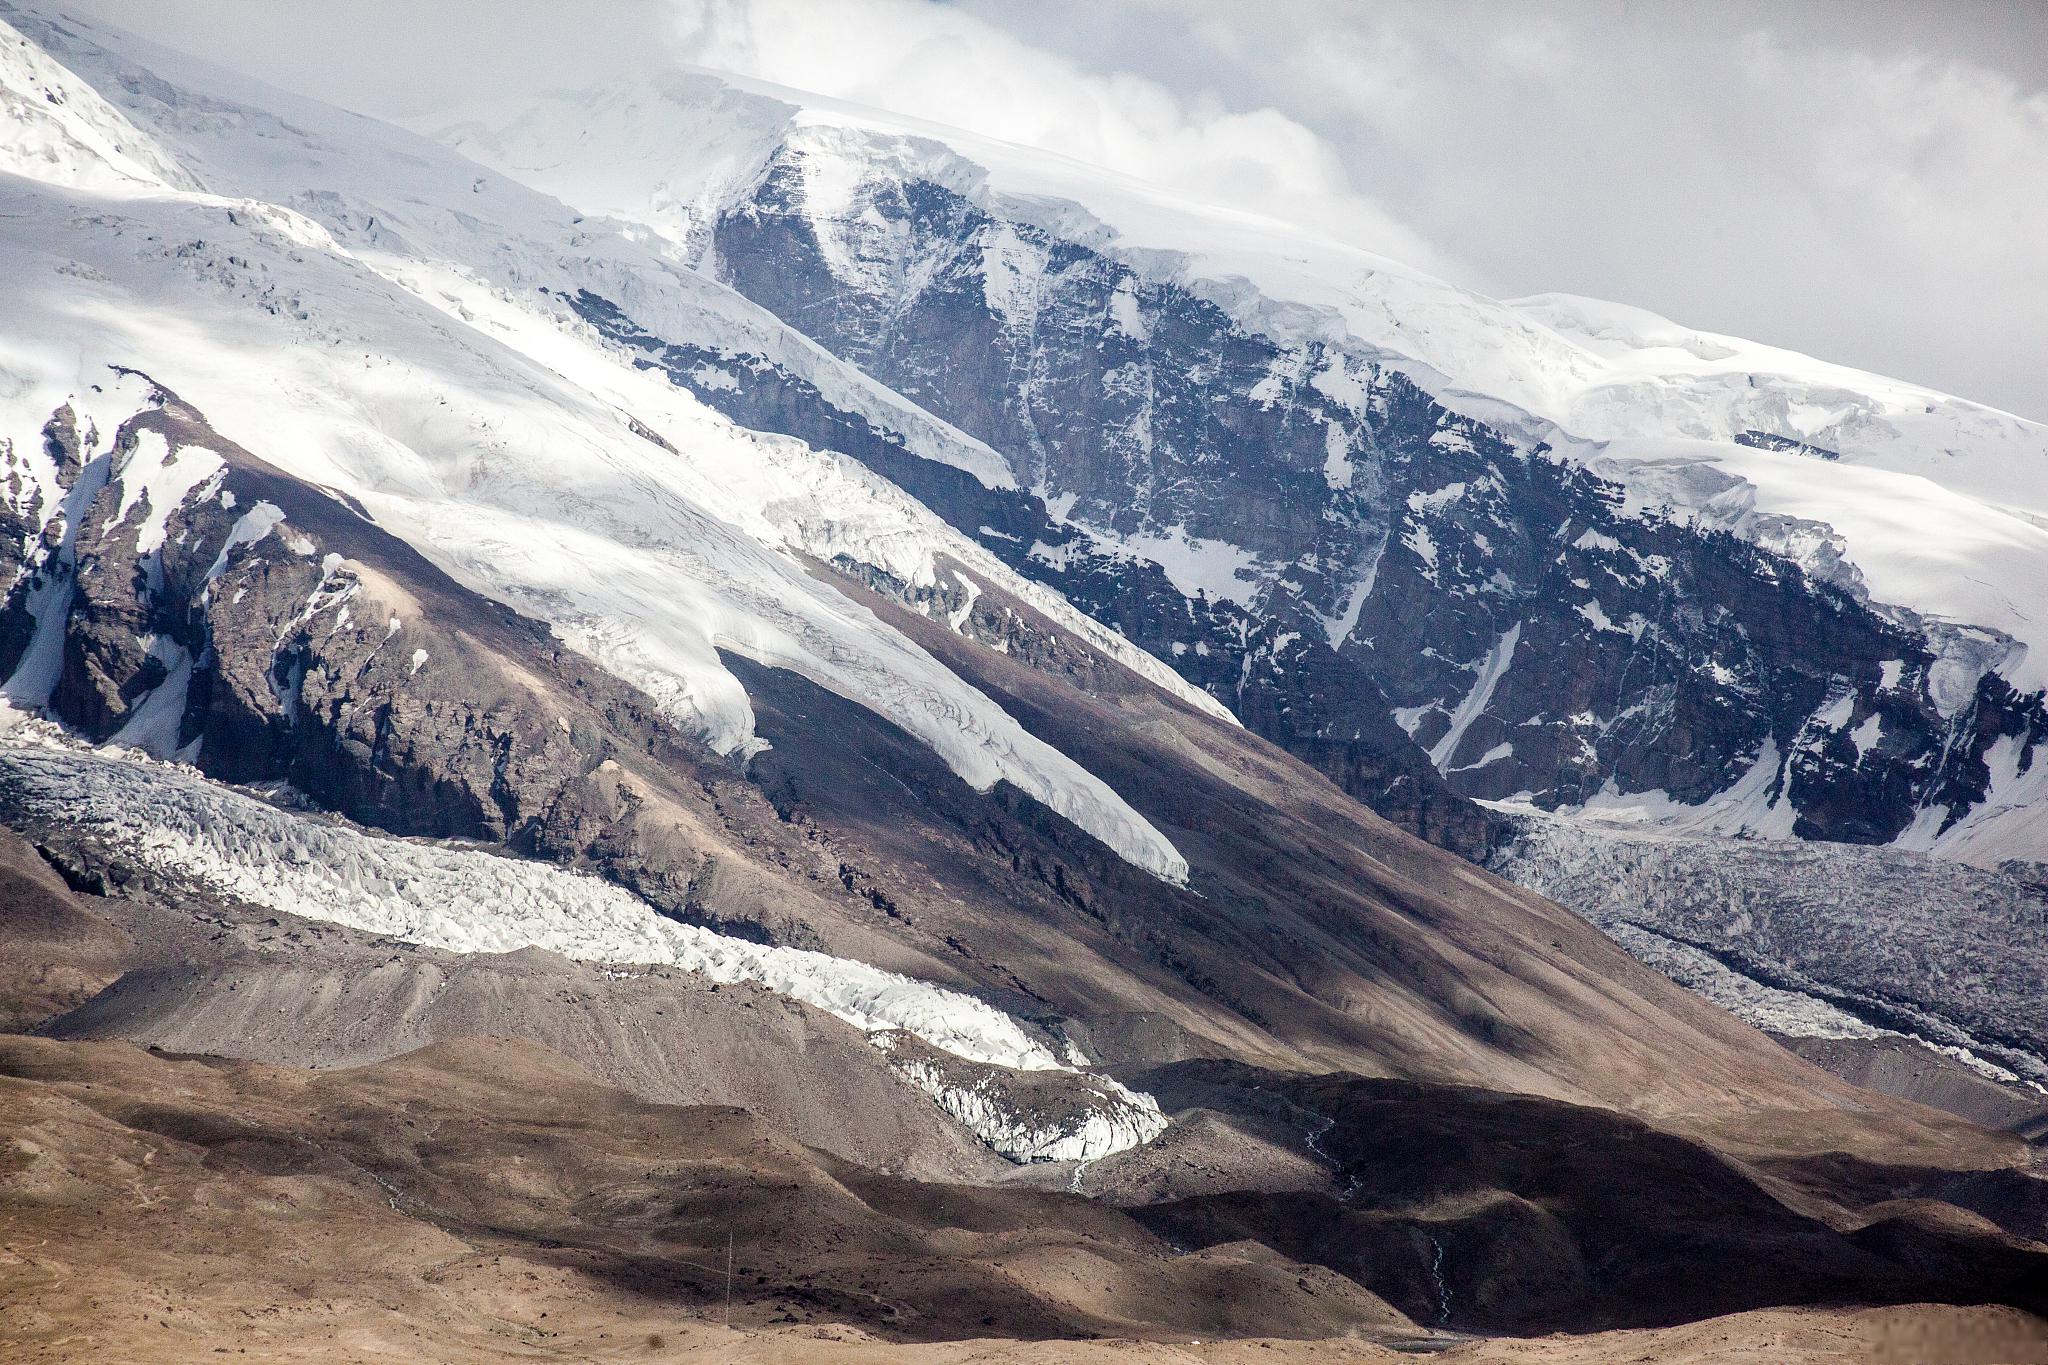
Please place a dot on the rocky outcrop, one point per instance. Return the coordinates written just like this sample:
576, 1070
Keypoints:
1350, 737
269, 633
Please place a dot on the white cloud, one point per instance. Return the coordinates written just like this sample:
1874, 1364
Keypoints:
398, 58
944, 65
1870, 191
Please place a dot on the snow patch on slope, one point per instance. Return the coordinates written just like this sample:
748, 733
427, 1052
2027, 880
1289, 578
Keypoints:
1753, 805
2008, 824
1216, 569
1491, 669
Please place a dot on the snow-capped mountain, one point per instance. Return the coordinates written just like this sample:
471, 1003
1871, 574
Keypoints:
673, 154
1579, 554
331, 466
657, 553
884, 631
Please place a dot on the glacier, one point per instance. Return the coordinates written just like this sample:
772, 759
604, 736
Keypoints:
472, 900
1916, 500
1811, 939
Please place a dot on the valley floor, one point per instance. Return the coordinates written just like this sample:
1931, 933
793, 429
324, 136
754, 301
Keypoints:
152, 1210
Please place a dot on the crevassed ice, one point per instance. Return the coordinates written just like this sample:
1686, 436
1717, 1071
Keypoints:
1120, 1120
468, 901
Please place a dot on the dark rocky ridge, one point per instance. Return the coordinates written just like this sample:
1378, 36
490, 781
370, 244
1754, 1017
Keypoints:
1135, 596
1645, 654
1471, 1210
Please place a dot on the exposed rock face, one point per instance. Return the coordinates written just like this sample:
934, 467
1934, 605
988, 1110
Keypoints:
1342, 553
270, 633
1204, 639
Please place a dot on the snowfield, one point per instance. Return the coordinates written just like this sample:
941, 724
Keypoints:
419, 368
471, 901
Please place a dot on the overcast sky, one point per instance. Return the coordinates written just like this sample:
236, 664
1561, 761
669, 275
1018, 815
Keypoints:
1862, 180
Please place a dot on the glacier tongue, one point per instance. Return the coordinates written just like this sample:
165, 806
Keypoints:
1781, 932
473, 901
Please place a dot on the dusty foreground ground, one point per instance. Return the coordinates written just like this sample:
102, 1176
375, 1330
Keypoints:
482, 1200
1916, 1335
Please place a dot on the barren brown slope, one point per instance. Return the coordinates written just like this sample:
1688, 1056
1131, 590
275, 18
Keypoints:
208, 976
1355, 946
1460, 1207
1313, 935
1504, 1213
55, 952
457, 1192
483, 1201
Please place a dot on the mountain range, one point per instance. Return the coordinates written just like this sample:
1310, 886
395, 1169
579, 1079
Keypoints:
689, 671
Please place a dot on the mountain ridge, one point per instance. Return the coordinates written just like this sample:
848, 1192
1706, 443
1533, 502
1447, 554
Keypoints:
1762, 479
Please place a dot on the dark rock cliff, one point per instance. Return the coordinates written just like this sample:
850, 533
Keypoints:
1422, 607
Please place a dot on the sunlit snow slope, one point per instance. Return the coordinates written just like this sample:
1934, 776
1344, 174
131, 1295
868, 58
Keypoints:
384, 318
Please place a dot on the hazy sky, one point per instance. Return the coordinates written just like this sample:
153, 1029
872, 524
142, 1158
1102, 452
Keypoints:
1862, 180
